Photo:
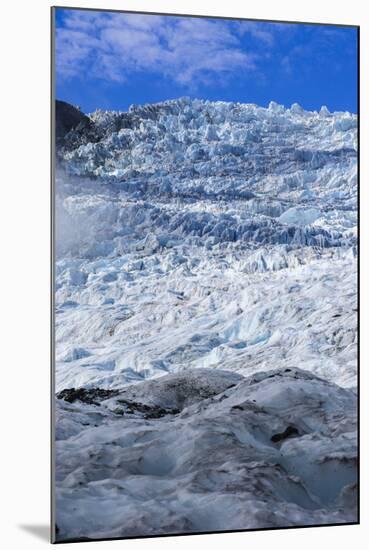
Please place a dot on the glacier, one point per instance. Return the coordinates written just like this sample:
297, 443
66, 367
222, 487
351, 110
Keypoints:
205, 306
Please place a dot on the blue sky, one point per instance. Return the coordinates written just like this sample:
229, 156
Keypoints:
110, 60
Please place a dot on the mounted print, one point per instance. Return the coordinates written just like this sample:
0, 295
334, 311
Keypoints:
205, 263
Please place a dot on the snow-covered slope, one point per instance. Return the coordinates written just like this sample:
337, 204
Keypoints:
204, 451
194, 235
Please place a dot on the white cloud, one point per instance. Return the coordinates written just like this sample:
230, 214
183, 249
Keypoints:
187, 50
260, 31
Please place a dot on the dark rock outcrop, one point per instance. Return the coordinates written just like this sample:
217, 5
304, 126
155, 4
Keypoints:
67, 117
91, 397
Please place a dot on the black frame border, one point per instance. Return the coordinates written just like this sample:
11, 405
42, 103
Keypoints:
52, 273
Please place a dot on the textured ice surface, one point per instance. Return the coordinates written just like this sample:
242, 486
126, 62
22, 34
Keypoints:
194, 235
205, 450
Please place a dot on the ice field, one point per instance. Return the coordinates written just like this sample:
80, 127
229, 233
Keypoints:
205, 319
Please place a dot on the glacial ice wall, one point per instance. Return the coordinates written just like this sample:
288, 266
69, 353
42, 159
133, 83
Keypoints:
192, 233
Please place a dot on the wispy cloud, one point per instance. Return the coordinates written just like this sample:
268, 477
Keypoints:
187, 50
157, 57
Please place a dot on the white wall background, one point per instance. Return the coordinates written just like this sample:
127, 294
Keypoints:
24, 270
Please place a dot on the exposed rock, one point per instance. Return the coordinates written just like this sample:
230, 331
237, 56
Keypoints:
67, 117
92, 396
288, 432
